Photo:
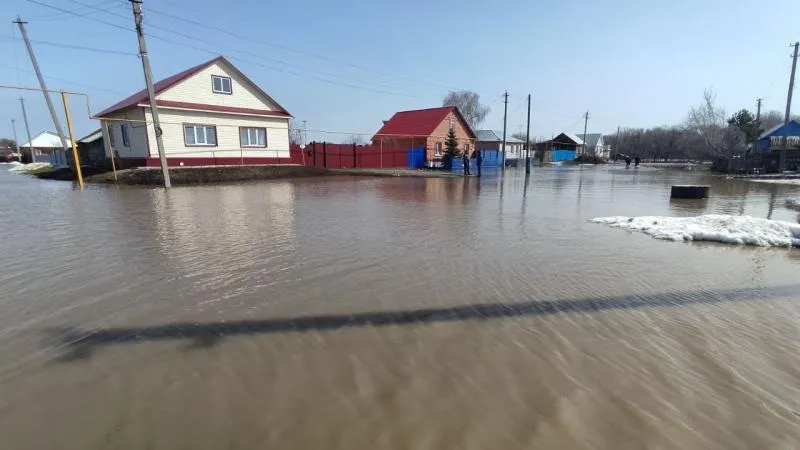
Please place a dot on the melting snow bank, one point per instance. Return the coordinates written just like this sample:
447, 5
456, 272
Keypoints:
28, 168
793, 181
738, 230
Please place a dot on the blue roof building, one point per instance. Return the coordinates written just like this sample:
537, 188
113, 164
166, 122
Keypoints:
772, 139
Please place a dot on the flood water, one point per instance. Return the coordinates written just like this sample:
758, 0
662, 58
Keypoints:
392, 313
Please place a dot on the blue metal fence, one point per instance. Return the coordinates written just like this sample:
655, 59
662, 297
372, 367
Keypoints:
562, 155
416, 158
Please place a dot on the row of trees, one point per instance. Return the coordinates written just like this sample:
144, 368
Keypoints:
706, 133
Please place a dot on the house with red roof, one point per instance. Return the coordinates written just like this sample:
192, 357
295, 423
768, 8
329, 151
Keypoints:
210, 114
426, 128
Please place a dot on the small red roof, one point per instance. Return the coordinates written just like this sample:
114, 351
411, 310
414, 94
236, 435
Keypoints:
418, 122
166, 83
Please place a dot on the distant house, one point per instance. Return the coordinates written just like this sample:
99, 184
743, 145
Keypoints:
772, 139
426, 128
210, 114
91, 150
563, 147
46, 147
493, 140
593, 145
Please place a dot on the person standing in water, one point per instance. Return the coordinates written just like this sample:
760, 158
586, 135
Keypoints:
637, 161
478, 160
627, 162
465, 159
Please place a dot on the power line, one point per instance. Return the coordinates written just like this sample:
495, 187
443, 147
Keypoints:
74, 47
61, 14
65, 81
83, 16
204, 50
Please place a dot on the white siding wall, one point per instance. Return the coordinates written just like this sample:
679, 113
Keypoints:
197, 89
133, 118
228, 145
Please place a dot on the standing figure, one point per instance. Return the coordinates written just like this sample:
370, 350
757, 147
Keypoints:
627, 162
478, 160
465, 159
637, 161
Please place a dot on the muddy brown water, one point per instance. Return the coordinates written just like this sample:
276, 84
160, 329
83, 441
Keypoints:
393, 314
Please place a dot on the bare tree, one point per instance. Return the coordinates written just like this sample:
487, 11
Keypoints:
295, 133
709, 123
469, 104
355, 139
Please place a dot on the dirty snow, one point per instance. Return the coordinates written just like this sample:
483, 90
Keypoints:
737, 230
793, 181
26, 168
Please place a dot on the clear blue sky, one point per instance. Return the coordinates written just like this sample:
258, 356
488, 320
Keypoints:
629, 62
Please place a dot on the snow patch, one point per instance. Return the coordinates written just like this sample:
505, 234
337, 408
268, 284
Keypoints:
792, 181
737, 230
28, 168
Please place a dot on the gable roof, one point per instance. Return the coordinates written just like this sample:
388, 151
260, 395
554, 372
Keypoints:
46, 139
91, 137
575, 139
776, 128
590, 139
496, 136
141, 97
419, 122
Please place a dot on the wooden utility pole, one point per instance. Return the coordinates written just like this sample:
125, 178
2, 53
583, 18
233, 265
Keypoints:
782, 159
617, 144
27, 130
42, 85
758, 125
75, 158
528, 140
505, 118
151, 94
585, 126
14, 129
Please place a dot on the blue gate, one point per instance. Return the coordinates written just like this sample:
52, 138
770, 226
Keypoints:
416, 158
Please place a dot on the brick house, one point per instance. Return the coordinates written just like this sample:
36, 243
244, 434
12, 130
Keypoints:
426, 128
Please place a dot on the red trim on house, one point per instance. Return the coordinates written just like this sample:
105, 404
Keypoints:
166, 83
190, 162
218, 108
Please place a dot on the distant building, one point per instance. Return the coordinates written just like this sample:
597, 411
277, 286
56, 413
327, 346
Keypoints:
46, 147
563, 147
593, 145
91, 150
210, 114
772, 139
492, 140
426, 128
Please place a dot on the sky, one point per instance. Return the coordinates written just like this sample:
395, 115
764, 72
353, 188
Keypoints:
345, 66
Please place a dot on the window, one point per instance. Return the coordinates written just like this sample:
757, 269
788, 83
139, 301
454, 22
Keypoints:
253, 137
200, 135
126, 140
111, 136
438, 149
466, 148
452, 124
221, 85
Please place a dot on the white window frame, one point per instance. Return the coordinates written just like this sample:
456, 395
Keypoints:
453, 124
197, 133
221, 90
466, 148
126, 139
437, 149
249, 142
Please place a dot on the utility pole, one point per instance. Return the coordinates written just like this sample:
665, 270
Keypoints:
505, 117
305, 132
27, 130
782, 160
758, 125
42, 85
617, 144
585, 126
14, 129
151, 94
528, 140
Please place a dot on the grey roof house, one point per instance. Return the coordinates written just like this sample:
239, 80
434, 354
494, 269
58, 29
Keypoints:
493, 140
593, 145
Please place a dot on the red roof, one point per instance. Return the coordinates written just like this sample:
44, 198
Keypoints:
142, 97
418, 122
